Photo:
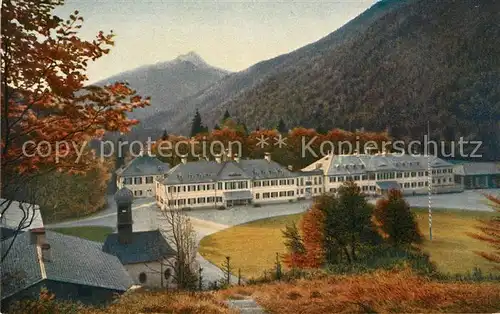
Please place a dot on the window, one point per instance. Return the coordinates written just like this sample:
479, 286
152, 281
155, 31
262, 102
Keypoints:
149, 180
138, 192
320, 180
356, 178
315, 181
282, 193
413, 174
364, 177
257, 195
333, 179
274, 194
219, 185
201, 200
127, 180
138, 180
265, 195
142, 277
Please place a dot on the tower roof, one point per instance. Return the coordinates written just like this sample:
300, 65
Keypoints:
124, 195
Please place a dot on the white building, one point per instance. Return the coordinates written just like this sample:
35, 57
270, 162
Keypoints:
139, 175
144, 254
234, 182
376, 174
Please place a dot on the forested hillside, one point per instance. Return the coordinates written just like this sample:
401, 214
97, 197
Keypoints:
396, 66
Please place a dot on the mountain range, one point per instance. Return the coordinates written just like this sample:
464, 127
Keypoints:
399, 65
169, 82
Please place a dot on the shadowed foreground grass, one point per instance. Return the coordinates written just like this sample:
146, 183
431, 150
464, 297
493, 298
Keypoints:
93, 233
253, 246
166, 302
379, 292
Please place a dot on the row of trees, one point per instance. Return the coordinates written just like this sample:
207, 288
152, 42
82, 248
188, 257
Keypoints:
343, 229
340, 228
299, 146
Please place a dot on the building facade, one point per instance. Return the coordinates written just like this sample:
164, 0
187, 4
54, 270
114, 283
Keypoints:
233, 182
376, 174
139, 175
478, 175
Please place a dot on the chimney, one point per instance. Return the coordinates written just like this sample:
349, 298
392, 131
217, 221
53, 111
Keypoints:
267, 156
37, 236
218, 158
46, 253
236, 158
184, 159
124, 199
290, 167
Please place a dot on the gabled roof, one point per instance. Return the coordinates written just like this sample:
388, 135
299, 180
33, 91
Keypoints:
388, 185
358, 164
73, 260
204, 171
478, 168
146, 246
7, 232
263, 169
143, 166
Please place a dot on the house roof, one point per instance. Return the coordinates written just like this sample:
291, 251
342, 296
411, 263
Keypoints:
237, 195
204, 171
359, 164
146, 246
478, 168
142, 166
388, 185
6, 232
73, 260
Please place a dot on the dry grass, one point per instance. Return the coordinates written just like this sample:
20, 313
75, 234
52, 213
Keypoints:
381, 292
166, 302
253, 246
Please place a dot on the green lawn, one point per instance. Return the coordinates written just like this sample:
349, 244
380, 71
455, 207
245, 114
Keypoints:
93, 233
253, 246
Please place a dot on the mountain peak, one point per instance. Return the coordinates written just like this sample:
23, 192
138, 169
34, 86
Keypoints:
192, 57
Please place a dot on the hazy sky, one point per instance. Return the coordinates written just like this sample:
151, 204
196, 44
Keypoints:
228, 34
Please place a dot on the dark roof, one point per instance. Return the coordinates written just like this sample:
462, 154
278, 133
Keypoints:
204, 171
388, 185
237, 195
6, 232
478, 168
143, 166
73, 260
146, 246
124, 195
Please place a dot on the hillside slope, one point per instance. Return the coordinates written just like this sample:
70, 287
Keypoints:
234, 85
436, 61
169, 82
397, 66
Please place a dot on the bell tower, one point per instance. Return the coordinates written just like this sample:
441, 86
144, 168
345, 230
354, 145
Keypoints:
124, 199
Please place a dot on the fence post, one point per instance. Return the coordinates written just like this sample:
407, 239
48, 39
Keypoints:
239, 276
278, 267
200, 281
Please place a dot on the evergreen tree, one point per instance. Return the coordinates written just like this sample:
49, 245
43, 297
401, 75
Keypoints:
396, 220
226, 116
282, 127
197, 125
164, 136
348, 222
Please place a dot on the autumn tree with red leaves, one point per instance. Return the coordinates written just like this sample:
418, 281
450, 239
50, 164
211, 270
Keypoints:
490, 233
46, 106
